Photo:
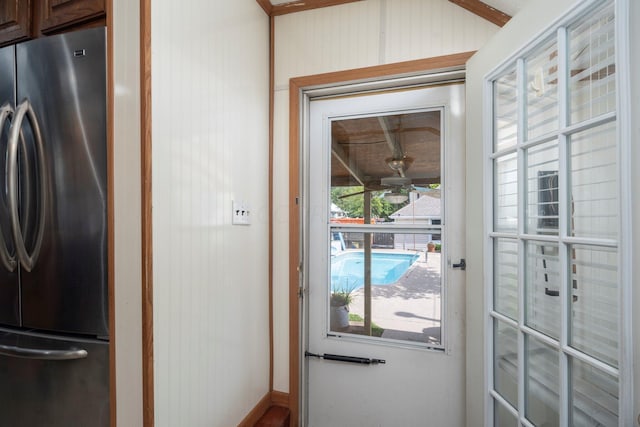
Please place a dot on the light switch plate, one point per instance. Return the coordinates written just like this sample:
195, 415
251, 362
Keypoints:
241, 214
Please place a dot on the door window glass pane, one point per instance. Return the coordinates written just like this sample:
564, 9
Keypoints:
505, 110
404, 275
542, 91
592, 85
506, 194
542, 288
594, 396
386, 172
505, 362
542, 189
595, 304
505, 291
594, 183
541, 383
386, 169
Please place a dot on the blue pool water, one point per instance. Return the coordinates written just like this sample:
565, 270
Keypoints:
347, 269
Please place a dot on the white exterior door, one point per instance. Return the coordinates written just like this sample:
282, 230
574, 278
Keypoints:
392, 259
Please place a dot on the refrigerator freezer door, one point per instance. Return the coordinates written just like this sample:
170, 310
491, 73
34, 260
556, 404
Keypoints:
54, 393
9, 290
64, 79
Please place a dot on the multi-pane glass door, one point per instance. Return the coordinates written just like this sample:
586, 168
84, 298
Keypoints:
555, 303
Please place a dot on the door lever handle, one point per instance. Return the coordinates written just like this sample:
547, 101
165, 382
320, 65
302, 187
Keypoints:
462, 265
552, 292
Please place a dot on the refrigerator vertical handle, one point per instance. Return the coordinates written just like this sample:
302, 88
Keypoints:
27, 261
7, 259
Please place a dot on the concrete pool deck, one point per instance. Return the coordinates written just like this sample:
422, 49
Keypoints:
410, 308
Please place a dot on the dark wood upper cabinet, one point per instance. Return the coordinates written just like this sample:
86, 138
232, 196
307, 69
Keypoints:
58, 14
25, 19
15, 20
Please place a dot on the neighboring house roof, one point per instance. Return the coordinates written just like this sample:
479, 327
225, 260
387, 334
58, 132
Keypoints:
424, 206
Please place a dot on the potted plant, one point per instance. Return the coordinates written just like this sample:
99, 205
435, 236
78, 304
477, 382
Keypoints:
339, 308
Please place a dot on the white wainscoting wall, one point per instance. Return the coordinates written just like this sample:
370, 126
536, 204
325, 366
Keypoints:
210, 101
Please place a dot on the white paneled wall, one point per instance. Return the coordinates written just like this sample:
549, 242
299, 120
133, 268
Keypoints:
416, 29
354, 35
281, 245
210, 103
329, 39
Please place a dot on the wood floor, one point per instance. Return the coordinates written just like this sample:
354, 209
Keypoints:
276, 416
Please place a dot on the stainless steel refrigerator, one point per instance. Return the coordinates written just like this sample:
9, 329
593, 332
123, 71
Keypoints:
54, 334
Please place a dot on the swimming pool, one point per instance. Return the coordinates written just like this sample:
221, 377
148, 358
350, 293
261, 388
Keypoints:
347, 269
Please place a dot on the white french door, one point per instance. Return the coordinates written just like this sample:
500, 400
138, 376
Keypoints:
558, 308
384, 229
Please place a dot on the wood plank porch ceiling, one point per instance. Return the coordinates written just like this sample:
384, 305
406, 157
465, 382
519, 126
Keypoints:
363, 150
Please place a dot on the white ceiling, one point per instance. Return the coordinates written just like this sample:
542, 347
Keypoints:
510, 7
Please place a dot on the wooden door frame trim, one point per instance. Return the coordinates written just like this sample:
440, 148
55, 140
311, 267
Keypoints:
270, 180
296, 88
147, 224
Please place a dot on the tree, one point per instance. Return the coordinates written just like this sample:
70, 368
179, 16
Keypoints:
351, 201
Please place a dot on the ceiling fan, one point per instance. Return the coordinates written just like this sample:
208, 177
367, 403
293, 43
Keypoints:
395, 183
